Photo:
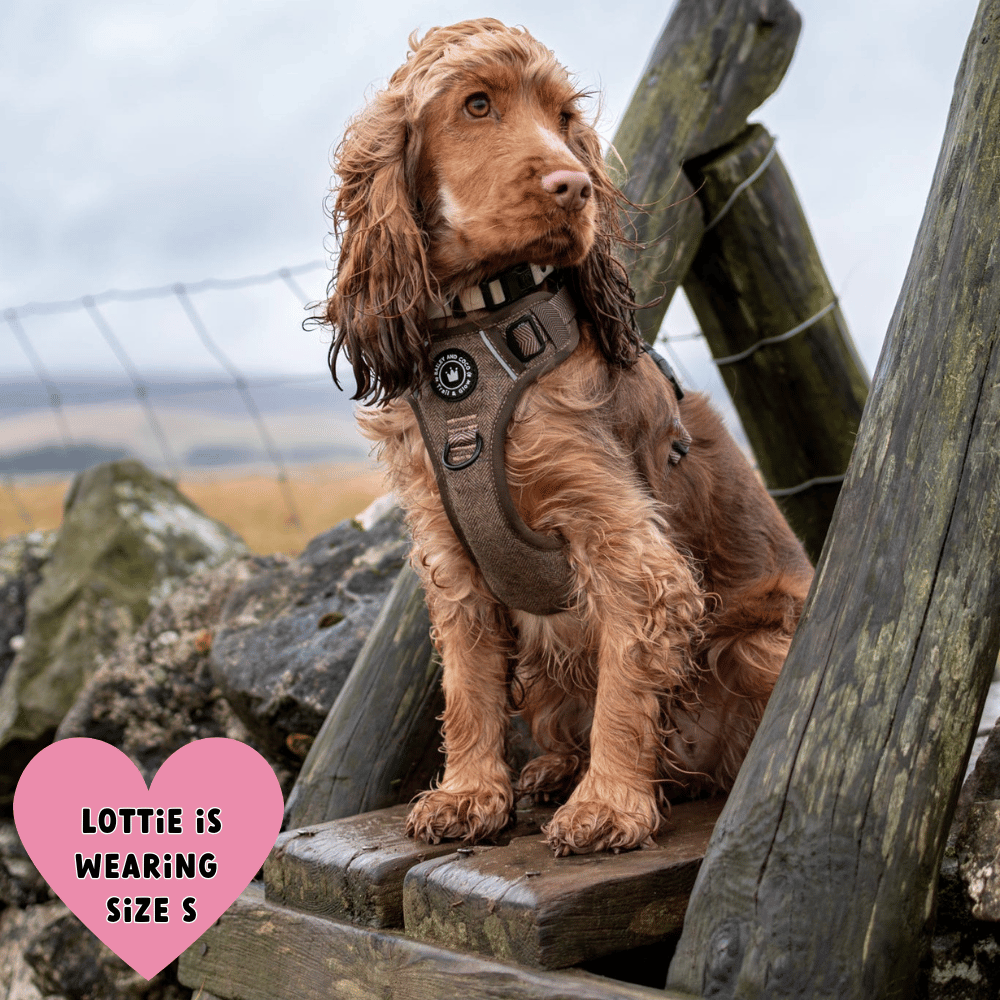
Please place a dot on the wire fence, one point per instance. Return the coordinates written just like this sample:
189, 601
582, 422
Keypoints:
185, 294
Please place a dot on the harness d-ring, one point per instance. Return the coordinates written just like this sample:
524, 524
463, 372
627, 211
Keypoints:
454, 467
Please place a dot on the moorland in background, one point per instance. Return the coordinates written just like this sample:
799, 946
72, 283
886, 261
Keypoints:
199, 429
250, 502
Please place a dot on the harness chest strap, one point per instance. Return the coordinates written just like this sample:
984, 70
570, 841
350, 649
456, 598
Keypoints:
478, 375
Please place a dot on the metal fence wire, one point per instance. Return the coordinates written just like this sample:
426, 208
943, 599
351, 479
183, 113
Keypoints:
185, 294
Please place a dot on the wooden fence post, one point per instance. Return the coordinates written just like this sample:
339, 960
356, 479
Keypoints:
685, 143
379, 744
715, 62
819, 879
771, 318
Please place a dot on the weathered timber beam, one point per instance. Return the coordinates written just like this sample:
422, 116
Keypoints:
258, 951
379, 743
570, 910
757, 275
715, 62
819, 878
353, 868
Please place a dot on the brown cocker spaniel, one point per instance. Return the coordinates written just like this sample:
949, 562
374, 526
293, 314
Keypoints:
626, 584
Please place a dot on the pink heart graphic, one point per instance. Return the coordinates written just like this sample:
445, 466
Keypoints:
148, 870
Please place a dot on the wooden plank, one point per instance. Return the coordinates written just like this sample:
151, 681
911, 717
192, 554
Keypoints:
379, 744
353, 869
758, 275
350, 869
521, 904
820, 877
715, 62
259, 951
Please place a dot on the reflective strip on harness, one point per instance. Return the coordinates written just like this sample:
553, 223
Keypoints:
478, 375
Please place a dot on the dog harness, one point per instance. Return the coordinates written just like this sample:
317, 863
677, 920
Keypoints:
478, 374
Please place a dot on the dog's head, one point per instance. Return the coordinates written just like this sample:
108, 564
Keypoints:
475, 157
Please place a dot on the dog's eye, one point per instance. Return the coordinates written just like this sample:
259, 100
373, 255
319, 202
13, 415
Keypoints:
478, 105
565, 117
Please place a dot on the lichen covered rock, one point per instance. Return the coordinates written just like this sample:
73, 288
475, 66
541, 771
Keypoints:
21, 560
127, 541
965, 959
289, 637
156, 694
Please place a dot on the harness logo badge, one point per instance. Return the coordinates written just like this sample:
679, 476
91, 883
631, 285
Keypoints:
455, 374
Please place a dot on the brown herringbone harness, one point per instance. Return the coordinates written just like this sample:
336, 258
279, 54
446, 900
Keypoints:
478, 374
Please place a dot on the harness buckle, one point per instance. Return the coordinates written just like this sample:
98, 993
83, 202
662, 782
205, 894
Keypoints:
514, 283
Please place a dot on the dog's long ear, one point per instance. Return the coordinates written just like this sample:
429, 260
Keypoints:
381, 283
600, 281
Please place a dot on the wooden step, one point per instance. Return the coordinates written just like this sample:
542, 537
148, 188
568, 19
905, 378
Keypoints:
352, 869
521, 904
259, 951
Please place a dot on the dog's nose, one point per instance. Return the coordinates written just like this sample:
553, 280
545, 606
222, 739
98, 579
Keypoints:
570, 188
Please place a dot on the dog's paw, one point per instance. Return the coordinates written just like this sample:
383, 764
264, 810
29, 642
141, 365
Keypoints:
585, 826
551, 776
473, 816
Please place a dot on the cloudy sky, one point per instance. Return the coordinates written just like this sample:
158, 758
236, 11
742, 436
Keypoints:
146, 143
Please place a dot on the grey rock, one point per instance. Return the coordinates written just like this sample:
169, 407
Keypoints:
290, 635
69, 961
977, 843
128, 539
20, 884
18, 929
965, 951
163, 687
156, 693
979, 859
965, 954
21, 560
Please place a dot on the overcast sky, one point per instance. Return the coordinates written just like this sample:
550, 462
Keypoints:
146, 143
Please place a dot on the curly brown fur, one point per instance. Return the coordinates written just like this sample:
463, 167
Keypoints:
687, 581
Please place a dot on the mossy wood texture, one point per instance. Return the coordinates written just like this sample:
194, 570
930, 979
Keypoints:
521, 904
379, 743
758, 275
715, 62
259, 951
819, 879
348, 869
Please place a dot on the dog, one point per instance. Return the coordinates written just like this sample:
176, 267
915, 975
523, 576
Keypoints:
667, 585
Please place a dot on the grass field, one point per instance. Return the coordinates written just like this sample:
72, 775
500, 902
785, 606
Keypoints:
252, 504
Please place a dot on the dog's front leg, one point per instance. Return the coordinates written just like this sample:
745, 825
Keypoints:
615, 806
644, 613
474, 800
